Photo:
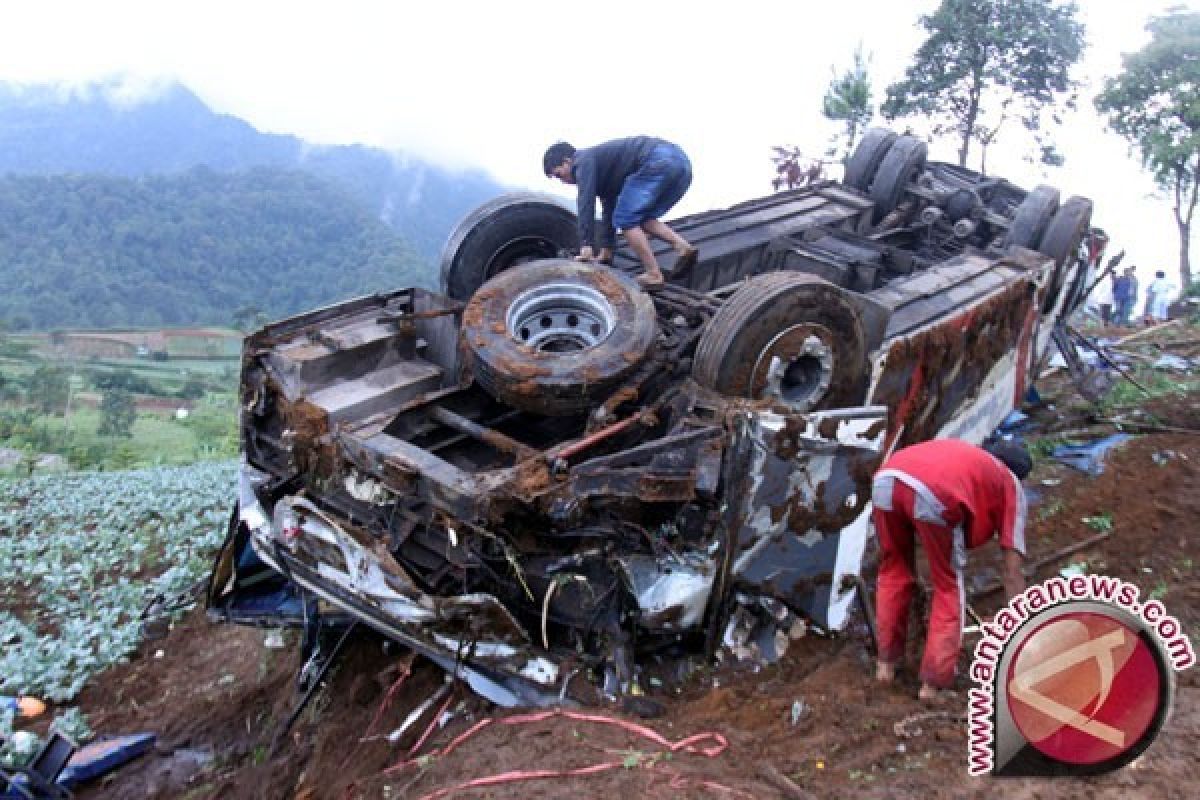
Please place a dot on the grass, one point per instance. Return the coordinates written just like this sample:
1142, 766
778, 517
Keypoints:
209, 432
1101, 523
1049, 510
1041, 448
157, 438
1158, 383
169, 373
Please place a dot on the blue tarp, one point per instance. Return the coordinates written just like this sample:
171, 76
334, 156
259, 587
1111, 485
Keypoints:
1014, 422
1088, 457
98, 758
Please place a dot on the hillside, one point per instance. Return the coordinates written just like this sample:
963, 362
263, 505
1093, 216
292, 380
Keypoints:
96, 129
189, 248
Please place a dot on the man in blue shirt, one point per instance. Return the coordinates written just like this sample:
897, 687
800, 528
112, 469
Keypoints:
637, 181
1125, 292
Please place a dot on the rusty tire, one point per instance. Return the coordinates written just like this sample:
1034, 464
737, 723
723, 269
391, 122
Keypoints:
1032, 216
789, 337
1061, 242
558, 337
899, 167
861, 166
512, 229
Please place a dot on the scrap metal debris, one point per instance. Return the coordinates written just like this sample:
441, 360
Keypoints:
1174, 363
910, 726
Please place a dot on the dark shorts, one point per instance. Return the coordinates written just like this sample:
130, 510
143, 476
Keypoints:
655, 188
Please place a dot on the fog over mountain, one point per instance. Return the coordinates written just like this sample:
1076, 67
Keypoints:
108, 129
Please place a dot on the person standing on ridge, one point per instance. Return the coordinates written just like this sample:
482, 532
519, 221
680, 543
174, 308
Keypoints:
1158, 298
1131, 273
953, 497
1123, 296
1102, 298
637, 181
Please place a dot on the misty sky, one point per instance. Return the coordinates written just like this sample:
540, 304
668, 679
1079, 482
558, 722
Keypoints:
491, 84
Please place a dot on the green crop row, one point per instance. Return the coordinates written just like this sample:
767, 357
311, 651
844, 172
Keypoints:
81, 556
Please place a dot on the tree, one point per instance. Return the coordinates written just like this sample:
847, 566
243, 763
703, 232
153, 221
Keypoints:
125, 379
48, 389
193, 388
793, 169
986, 62
117, 414
1154, 104
848, 98
7, 389
249, 318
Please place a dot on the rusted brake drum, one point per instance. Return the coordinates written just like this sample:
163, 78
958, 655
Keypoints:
557, 337
786, 337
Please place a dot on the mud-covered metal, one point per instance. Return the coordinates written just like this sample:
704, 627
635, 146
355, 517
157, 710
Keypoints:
807, 479
799, 366
557, 337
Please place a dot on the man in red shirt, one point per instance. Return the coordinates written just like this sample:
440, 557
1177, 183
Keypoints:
952, 496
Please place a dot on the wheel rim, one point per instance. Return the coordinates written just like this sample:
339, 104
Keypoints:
796, 367
519, 251
560, 318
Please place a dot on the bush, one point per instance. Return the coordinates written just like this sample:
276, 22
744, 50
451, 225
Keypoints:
215, 431
91, 455
124, 379
118, 414
48, 389
16, 423
192, 389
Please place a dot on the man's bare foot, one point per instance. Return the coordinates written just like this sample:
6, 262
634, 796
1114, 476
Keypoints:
687, 258
651, 278
931, 694
884, 672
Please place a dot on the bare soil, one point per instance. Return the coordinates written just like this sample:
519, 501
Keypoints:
216, 695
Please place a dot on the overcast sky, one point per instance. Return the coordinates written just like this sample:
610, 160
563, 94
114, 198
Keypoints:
491, 84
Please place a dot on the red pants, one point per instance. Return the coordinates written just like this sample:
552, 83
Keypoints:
897, 581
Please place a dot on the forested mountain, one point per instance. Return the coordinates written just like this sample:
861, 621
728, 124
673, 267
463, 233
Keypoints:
48, 130
193, 247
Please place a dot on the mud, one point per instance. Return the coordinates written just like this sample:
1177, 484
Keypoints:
748, 329
524, 369
472, 318
926, 377
607, 283
310, 424
532, 477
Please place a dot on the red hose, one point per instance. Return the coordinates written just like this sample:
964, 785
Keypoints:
708, 744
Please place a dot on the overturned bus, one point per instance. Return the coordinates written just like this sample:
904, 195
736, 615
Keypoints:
547, 479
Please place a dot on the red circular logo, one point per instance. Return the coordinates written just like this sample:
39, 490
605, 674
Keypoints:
1084, 688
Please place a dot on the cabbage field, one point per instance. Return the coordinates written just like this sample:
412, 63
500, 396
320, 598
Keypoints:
81, 556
